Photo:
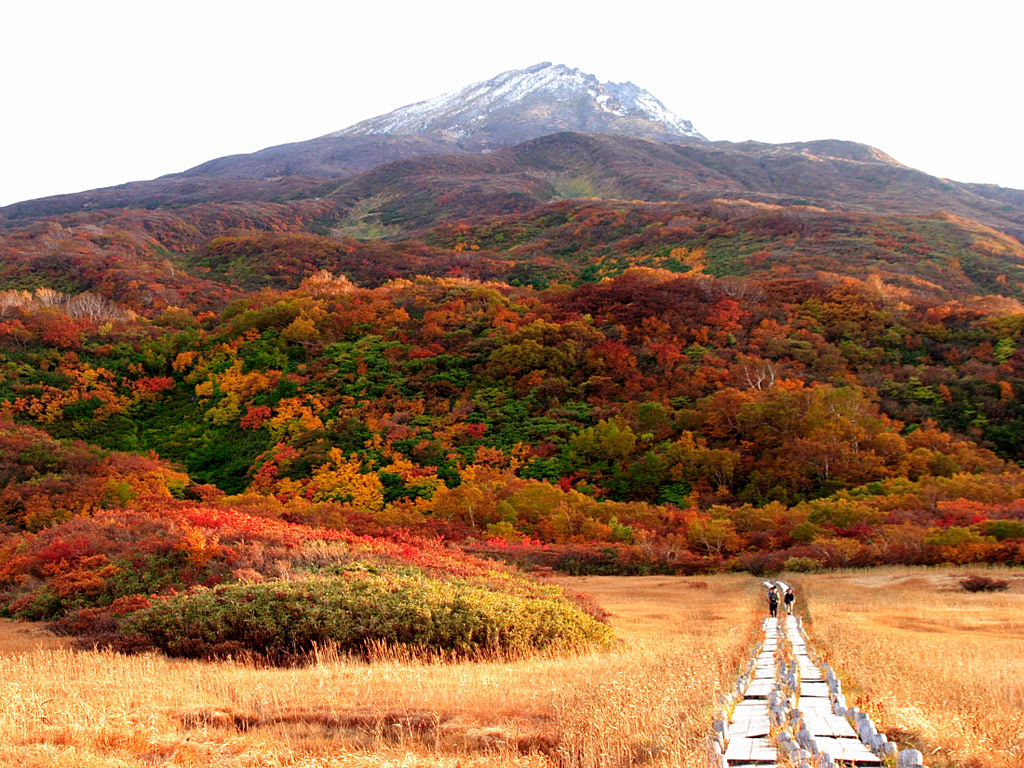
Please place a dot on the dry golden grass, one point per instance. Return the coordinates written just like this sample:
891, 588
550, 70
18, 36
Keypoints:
20, 636
647, 701
934, 665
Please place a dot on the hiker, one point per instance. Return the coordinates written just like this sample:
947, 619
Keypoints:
789, 598
773, 601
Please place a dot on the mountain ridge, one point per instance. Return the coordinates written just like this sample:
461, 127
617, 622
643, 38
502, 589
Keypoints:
829, 173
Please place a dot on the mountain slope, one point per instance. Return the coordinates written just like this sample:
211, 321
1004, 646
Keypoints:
582, 337
410, 181
276, 174
415, 192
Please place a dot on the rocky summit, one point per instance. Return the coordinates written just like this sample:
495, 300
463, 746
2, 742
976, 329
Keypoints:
522, 104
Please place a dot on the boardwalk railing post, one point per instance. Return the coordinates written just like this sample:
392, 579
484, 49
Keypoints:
909, 758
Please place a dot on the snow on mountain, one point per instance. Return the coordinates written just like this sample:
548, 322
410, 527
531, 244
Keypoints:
525, 103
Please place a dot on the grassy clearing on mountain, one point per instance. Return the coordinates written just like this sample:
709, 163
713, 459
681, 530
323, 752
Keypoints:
363, 221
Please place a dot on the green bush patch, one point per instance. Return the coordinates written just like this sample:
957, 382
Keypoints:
282, 621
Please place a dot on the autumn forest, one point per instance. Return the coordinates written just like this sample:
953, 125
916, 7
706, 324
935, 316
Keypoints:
438, 372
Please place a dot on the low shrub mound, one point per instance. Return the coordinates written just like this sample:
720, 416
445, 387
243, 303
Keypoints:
357, 611
977, 583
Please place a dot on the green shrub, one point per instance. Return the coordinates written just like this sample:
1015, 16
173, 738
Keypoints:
282, 621
802, 565
1004, 529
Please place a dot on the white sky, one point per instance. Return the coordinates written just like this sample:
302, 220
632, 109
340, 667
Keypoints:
95, 93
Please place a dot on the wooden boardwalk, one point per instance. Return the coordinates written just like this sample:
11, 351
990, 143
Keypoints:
748, 736
832, 734
819, 730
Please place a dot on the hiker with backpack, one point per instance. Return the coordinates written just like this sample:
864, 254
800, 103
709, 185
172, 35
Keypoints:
773, 601
789, 599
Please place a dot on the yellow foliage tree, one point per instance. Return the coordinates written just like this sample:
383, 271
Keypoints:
245, 385
301, 331
424, 481
341, 479
296, 415
184, 360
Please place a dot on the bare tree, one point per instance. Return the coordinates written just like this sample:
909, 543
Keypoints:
47, 297
759, 375
84, 305
738, 288
10, 300
87, 305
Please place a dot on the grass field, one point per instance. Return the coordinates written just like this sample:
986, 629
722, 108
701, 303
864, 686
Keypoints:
935, 666
648, 701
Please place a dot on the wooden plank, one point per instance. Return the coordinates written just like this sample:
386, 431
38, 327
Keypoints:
749, 721
814, 690
812, 705
760, 688
760, 728
751, 751
738, 749
829, 725
848, 750
763, 751
755, 729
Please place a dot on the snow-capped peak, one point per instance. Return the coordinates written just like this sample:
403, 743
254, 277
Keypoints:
524, 103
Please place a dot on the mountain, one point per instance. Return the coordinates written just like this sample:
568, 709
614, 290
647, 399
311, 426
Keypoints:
522, 104
513, 107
